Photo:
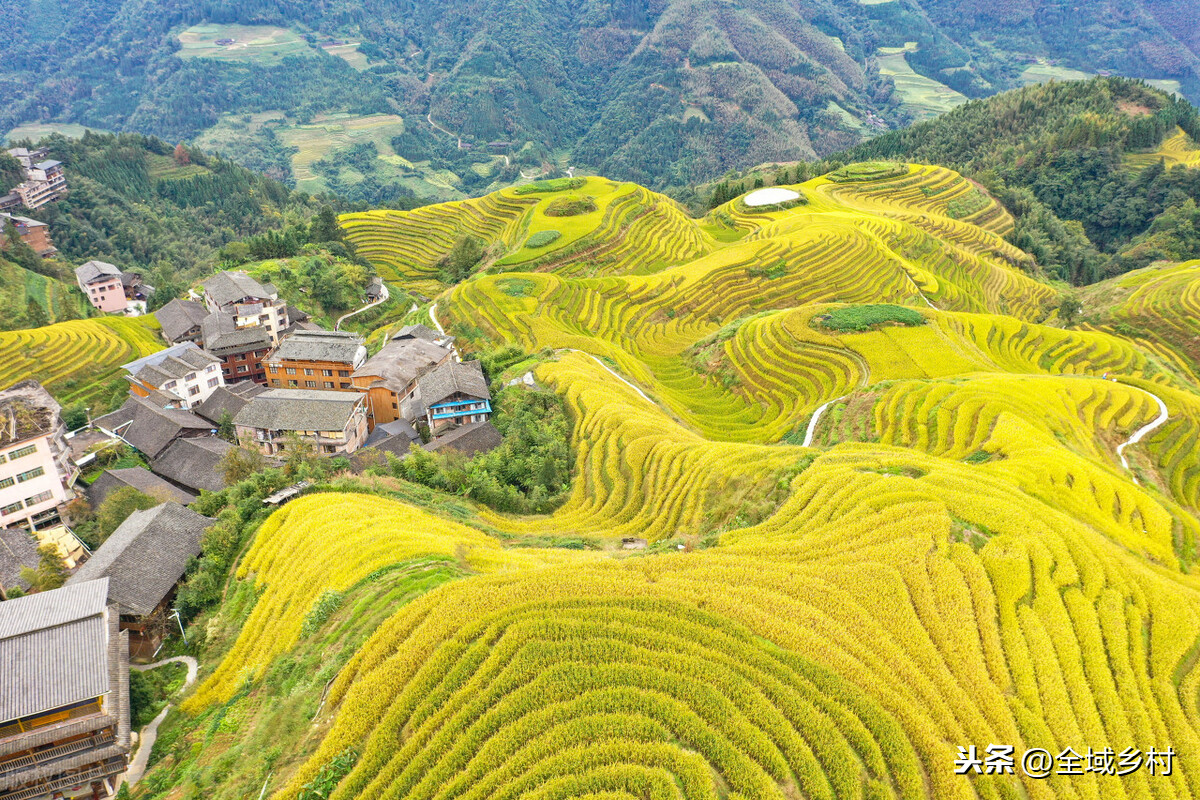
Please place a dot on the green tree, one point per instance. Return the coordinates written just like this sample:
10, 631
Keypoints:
226, 429
463, 258
35, 314
240, 463
1068, 310
117, 507
75, 416
51, 573
324, 227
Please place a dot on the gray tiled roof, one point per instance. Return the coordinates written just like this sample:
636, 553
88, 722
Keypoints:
231, 397
17, 549
299, 410
232, 287
338, 347
417, 332
194, 463
223, 336
146, 556
179, 317
453, 376
93, 270
400, 362
150, 428
478, 437
138, 478
53, 649
170, 364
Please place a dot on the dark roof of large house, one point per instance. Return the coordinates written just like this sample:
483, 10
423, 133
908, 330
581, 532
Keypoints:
145, 556
18, 549
233, 287
139, 478
53, 649
299, 410
393, 437
95, 270
231, 397
194, 463
223, 336
332, 346
417, 331
150, 428
26, 411
478, 437
171, 364
453, 376
180, 317
401, 361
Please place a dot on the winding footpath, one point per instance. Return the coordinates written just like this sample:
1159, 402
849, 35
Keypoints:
617, 375
146, 739
1141, 432
433, 316
816, 417
383, 298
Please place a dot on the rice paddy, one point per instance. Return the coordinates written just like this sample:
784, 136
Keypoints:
960, 557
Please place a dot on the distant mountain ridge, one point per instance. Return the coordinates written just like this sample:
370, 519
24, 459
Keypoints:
665, 92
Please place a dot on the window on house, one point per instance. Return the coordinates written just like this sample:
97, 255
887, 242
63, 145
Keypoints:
343, 373
11, 508
345, 386
6, 482
40, 497
193, 391
308, 372
21, 452
31, 474
291, 370
277, 384
243, 368
212, 382
293, 384
328, 373
328, 384
311, 384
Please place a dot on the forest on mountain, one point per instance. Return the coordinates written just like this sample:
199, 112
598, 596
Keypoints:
1059, 157
145, 205
667, 92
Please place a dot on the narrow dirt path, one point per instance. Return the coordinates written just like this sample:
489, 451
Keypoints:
383, 298
1140, 433
433, 316
148, 735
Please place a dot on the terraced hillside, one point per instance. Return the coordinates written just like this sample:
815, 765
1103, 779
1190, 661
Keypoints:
1178, 149
893, 510
77, 361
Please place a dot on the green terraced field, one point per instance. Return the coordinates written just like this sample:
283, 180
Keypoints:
256, 44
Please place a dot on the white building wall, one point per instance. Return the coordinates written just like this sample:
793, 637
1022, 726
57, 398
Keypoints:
21, 491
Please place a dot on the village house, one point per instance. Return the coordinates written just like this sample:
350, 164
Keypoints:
315, 360
181, 321
334, 423
140, 479
137, 293
18, 551
36, 471
30, 231
241, 350
101, 283
194, 464
64, 708
455, 393
249, 302
44, 181
228, 399
143, 561
389, 378
183, 371
150, 428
